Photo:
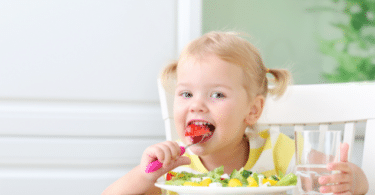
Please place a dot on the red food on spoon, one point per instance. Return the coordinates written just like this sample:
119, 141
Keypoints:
197, 132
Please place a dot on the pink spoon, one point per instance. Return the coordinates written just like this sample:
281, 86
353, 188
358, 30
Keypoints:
156, 165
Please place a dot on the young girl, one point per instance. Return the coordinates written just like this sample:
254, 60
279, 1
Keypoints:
221, 82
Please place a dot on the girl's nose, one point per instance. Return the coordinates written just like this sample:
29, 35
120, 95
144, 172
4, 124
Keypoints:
198, 105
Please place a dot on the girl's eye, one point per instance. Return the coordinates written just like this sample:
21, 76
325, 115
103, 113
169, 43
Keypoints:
186, 94
218, 95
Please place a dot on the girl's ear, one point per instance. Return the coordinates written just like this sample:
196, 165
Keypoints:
256, 110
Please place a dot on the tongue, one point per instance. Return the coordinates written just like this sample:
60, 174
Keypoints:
196, 139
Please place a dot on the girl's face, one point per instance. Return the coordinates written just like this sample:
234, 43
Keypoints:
211, 91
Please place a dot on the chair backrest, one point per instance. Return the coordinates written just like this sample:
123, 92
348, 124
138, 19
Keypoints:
312, 105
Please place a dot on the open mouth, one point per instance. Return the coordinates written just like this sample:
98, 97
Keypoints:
199, 131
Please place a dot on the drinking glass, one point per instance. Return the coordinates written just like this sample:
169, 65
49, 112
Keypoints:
314, 150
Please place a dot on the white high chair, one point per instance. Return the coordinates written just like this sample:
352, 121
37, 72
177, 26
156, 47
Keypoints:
312, 105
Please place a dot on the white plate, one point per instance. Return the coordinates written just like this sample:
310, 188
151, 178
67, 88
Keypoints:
188, 190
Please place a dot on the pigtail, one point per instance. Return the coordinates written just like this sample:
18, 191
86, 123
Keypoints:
282, 78
169, 76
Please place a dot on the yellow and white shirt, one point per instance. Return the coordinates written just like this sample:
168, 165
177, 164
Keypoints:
270, 153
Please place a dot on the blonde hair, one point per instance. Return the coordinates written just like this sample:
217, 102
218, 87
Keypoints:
229, 47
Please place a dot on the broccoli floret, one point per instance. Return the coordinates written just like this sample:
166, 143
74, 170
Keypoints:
237, 175
274, 177
246, 173
215, 174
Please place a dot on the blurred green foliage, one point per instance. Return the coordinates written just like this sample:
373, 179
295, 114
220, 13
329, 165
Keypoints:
355, 51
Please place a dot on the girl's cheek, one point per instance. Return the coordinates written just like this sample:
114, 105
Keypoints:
223, 112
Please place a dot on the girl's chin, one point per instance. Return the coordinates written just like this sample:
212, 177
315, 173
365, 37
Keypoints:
198, 150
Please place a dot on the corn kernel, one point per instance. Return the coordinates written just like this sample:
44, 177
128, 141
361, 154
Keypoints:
234, 183
206, 182
272, 182
252, 182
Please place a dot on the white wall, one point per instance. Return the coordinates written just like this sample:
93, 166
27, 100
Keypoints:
78, 92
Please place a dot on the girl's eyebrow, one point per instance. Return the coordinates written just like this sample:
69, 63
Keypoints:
221, 85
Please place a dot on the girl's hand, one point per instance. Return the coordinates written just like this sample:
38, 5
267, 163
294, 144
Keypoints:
343, 181
167, 153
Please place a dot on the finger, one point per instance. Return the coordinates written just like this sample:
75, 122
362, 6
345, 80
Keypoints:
340, 166
159, 153
167, 154
344, 149
338, 188
175, 149
335, 178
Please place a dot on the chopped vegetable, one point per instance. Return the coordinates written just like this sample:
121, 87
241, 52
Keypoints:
225, 176
196, 179
169, 176
255, 176
234, 183
206, 182
260, 179
246, 173
252, 182
274, 177
216, 174
271, 181
238, 175
288, 180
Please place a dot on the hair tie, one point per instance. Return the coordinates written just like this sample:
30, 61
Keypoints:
268, 70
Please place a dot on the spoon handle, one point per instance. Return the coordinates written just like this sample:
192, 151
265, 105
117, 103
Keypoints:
156, 165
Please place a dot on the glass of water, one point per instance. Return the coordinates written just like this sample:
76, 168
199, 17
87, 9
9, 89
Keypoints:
314, 150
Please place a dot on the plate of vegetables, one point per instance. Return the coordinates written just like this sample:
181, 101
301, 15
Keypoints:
216, 182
